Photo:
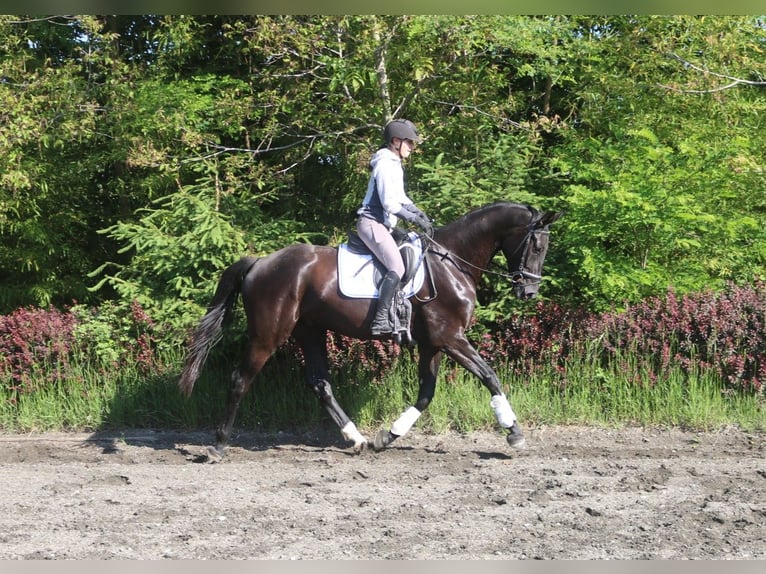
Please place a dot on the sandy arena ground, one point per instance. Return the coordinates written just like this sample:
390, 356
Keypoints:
573, 493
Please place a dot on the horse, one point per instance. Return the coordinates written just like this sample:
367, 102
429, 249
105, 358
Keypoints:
294, 292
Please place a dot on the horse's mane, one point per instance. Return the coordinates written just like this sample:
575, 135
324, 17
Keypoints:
474, 223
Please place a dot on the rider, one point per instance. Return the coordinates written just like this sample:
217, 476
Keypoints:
384, 204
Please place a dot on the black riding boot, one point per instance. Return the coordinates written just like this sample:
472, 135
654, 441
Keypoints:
388, 288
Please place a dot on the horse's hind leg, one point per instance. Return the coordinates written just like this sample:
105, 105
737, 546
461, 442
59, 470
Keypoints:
241, 381
314, 345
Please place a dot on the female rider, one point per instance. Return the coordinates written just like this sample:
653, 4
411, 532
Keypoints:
384, 204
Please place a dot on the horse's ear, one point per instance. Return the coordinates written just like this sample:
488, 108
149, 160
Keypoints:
549, 217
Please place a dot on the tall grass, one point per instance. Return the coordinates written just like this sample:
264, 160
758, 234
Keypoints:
591, 394
586, 394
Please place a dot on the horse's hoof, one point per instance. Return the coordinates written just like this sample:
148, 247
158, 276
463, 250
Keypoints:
383, 439
214, 454
360, 447
516, 438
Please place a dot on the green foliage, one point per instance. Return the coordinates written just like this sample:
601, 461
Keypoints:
651, 216
647, 129
103, 334
179, 246
50, 154
500, 171
650, 177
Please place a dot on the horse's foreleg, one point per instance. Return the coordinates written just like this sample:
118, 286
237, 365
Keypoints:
318, 378
428, 368
466, 355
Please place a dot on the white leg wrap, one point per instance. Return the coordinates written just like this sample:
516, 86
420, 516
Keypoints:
503, 411
404, 423
350, 432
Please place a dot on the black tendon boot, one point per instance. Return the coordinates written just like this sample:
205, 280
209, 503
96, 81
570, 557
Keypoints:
382, 322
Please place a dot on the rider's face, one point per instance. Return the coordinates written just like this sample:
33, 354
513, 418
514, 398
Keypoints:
404, 147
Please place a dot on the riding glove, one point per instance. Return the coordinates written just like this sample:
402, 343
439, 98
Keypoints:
410, 212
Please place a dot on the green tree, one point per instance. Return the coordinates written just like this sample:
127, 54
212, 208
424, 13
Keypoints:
648, 130
178, 247
661, 174
51, 162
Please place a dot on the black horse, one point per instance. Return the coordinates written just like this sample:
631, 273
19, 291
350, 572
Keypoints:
294, 292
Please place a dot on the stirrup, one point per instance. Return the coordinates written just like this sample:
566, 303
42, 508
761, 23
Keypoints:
402, 318
403, 338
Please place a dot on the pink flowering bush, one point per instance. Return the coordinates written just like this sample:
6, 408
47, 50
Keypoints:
722, 333
40, 346
33, 341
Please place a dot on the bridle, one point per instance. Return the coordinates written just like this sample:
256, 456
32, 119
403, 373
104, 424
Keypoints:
521, 273
516, 276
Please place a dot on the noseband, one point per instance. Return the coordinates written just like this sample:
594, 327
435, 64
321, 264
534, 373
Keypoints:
521, 273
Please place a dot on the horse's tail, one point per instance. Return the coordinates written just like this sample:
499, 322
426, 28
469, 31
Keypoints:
208, 332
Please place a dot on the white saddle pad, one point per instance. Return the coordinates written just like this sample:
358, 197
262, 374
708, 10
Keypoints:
356, 273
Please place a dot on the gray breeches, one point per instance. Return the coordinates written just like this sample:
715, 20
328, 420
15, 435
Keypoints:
377, 237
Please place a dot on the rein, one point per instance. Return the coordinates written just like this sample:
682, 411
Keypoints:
515, 277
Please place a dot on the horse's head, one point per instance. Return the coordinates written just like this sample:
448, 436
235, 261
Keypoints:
525, 259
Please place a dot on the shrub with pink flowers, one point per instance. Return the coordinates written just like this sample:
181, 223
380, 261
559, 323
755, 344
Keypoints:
546, 335
40, 346
718, 332
32, 341
723, 332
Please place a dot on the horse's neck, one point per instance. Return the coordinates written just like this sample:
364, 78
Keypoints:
473, 246
476, 237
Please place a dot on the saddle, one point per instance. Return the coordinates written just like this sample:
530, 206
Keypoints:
406, 249
360, 274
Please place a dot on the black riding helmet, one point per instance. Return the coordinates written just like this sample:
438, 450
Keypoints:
402, 129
